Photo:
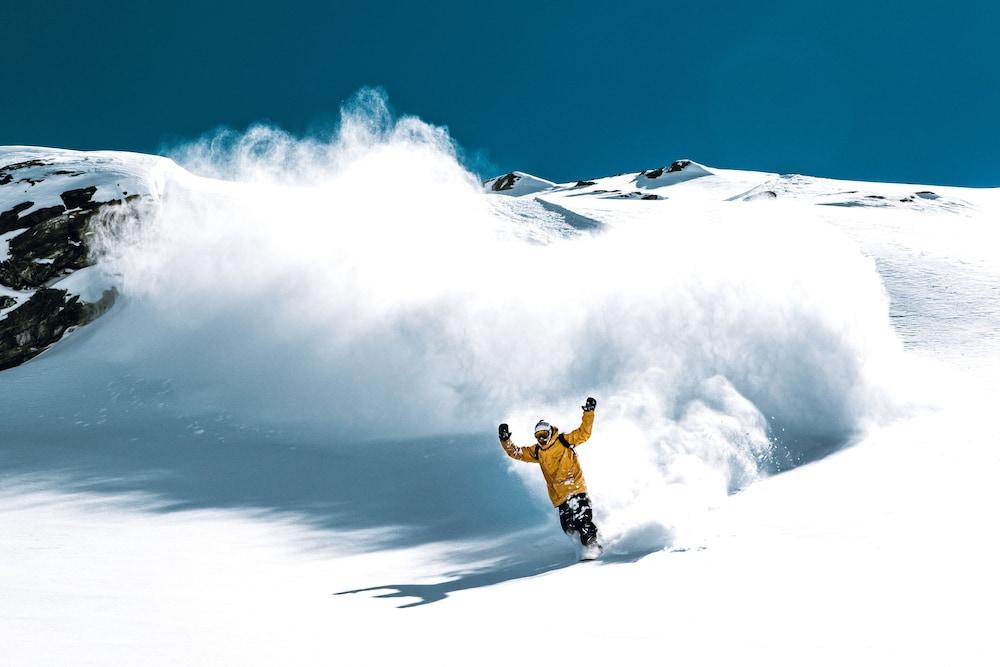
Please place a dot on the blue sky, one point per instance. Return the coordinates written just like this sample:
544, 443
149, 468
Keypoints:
896, 91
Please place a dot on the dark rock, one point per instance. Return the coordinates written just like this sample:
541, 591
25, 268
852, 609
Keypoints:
583, 184
927, 194
78, 198
675, 166
43, 320
39, 216
8, 218
6, 301
58, 242
651, 196
874, 197
6, 172
505, 182
36, 324
22, 165
678, 165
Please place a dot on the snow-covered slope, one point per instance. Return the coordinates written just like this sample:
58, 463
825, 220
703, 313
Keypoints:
279, 444
52, 203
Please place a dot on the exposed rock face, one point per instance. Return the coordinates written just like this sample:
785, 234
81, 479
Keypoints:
41, 215
8, 219
45, 251
678, 165
7, 172
505, 182
675, 166
517, 183
42, 320
79, 198
679, 171
48, 226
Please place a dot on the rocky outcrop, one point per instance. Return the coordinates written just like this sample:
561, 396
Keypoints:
678, 171
7, 172
79, 198
42, 320
678, 165
46, 251
505, 182
9, 218
48, 225
517, 183
675, 166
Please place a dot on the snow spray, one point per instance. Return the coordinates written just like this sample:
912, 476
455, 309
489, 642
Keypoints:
363, 286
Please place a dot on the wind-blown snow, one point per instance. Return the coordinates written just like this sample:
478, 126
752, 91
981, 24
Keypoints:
318, 338
304, 293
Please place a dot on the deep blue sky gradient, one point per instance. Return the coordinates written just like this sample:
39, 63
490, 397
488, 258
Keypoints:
895, 91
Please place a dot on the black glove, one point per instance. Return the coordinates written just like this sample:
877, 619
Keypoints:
590, 405
504, 432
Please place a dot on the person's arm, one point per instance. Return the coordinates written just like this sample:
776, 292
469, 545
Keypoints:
582, 434
513, 451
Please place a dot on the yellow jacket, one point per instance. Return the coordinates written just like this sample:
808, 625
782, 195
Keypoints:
559, 463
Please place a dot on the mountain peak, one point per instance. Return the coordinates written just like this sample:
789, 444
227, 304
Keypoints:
517, 183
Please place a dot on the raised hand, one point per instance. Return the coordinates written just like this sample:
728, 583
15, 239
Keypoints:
504, 432
590, 405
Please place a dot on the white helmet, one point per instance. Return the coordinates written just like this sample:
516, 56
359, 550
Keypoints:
543, 427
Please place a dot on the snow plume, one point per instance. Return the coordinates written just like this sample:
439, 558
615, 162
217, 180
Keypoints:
724, 346
363, 286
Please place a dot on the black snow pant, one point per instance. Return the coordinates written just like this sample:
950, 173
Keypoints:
576, 516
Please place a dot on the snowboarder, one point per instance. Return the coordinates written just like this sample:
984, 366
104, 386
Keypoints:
555, 454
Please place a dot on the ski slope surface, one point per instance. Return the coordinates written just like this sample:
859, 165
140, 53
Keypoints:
278, 447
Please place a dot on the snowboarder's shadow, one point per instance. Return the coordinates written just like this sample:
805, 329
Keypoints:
475, 578
486, 576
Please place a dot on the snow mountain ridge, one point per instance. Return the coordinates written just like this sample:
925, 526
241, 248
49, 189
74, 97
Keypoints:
736, 185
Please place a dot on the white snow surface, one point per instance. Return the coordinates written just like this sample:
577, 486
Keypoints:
114, 174
279, 447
